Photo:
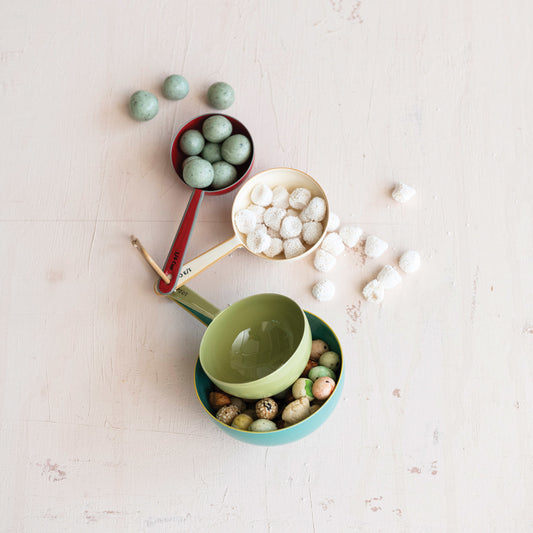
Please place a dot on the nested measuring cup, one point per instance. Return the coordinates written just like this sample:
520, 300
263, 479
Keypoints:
289, 178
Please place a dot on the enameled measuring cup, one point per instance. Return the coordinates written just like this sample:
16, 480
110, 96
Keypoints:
204, 311
179, 245
289, 178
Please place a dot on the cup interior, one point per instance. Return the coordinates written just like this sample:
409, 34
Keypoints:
177, 156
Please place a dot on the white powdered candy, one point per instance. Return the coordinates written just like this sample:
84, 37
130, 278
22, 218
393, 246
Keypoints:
350, 235
315, 210
261, 195
280, 197
403, 193
311, 232
273, 217
409, 261
290, 227
375, 246
374, 291
259, 212
293, 247
324, 290
258, 241
274, 233
299, 198
245, 220
333, 223
275, 248
389, 277
333, 244
292, 212
324, 261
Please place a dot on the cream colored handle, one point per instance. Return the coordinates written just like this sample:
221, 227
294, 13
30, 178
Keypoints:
205, 260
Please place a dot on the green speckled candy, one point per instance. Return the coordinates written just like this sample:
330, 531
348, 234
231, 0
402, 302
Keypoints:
331, 360
211, 152
262, 424
320, 372
175, 87
220, 95
143, 105
242, 421
198, 173
303, 387
225, 175
190, 158
236, 149
192, 142
216, 128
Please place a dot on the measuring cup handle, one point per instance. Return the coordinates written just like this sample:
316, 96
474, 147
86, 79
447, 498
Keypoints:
193, 303
200, 263
179, 246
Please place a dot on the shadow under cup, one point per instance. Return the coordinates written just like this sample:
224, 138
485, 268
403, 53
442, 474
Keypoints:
319, 330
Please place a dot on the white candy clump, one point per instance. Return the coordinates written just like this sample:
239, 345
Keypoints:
280, 197
333, 244
333, 223
315, 210
293, 247
259, 212
350, 235
409, 261
258, 241
375, 246
261, 195
403, 193
245, 220
324, 290
389, 277
324, 261
273, 217
299, 198
290, 227
374, 291
275, 248
311, 232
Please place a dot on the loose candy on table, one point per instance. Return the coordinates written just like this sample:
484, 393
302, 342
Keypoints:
296, 411
323, 387
293, 247
227, 413
311, 232
321, 372
192, 142
216, 128
323, 290
324, 261
236, 149
143, 105
410, 261
318, 347
262, 425
402, 193
333, 222
175, 87
374, 246
267, 408
389, 277
331, 360
220, 95
350, 235
374, 292
333, 244
301, 388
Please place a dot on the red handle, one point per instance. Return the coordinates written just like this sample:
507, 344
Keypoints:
179, 246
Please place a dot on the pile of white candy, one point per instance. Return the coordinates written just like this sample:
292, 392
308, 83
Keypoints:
348, 236
281, 222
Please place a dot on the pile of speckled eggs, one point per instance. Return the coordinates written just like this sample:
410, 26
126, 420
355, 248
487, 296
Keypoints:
305, 397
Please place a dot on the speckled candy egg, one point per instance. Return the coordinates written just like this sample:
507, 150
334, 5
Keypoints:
190, 158
262, 424
331, 360
175, 87
239, 402
225, 175
266, 408
220, 95
216, 128
302, 387
242, 421
318, 347
192, 142
218, 400
227, 413
320, 372
198, 173
143, 105
211, 152
236, 149
296, 411
323, 387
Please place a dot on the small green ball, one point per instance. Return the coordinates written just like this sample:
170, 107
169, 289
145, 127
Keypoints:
211, 152
175, 87
216, 128
261, 425
192, 142
143, 105
190, 158
225, 175
321, 372
220, 95
236, 149
198, 173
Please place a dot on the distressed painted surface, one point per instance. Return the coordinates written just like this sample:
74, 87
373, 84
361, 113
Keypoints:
100, 429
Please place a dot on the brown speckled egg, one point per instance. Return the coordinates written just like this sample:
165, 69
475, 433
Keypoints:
239, 402
318, 347
227, 413
323, 387
266, 408
218, 399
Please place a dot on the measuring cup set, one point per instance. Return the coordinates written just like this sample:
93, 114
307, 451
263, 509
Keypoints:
259, 345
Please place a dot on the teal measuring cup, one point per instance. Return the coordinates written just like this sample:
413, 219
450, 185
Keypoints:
206, 312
